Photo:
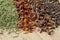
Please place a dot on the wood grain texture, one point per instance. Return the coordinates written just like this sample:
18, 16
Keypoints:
31, 36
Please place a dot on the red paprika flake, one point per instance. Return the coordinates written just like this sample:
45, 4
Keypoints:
37, 13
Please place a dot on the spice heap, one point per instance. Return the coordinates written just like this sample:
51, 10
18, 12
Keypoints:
43, 14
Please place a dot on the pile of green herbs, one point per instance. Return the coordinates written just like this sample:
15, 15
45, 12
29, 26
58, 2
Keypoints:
8, 16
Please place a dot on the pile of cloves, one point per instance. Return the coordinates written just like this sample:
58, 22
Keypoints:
43, 14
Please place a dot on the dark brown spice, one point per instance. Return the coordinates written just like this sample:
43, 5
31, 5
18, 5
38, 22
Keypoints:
38, 13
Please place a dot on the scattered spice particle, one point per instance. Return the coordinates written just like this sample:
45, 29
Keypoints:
38, 13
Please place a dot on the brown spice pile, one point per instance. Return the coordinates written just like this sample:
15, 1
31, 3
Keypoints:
34, 13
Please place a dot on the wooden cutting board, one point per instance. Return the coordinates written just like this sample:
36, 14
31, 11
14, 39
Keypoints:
31, 36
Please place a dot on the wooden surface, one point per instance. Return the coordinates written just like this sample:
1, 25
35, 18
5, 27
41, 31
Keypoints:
31, 36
